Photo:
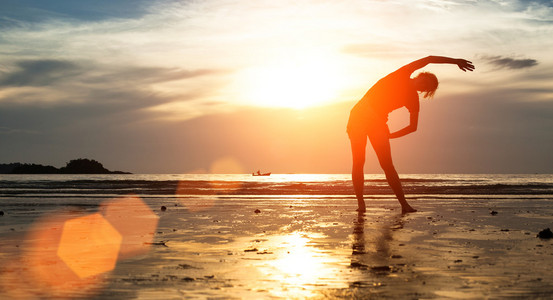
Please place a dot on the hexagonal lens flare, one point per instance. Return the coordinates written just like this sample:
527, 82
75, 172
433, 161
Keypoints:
70, 251
89, 245
39, 272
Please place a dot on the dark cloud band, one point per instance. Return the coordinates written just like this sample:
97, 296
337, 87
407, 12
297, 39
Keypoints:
511, 63
39, 72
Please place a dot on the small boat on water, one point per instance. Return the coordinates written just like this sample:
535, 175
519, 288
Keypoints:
258, 173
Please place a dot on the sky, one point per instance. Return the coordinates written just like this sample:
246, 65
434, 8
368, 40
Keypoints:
236, 86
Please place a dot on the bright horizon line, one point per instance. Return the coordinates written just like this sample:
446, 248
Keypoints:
368, 174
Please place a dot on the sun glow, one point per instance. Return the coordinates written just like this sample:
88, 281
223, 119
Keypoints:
300, 82
300, 266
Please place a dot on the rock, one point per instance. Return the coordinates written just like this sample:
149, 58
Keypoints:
257, 211
380, 269
493, 213
157, 244
187, 279
1, 213
251, 250
357, 265
545, 234
163, 208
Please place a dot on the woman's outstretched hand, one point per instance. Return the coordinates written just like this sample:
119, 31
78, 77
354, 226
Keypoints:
465, 65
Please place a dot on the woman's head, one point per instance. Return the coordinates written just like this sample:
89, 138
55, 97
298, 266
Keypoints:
426, 82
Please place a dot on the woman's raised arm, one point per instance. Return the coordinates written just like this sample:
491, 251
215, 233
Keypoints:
463, 64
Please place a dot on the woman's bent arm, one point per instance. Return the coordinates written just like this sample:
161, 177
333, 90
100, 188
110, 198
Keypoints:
412, 127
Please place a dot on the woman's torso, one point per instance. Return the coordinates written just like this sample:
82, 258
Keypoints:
388, 94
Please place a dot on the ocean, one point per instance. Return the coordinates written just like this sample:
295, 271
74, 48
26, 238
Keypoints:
40, 187
332, 184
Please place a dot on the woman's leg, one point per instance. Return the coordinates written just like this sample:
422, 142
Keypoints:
381, 144
358, 144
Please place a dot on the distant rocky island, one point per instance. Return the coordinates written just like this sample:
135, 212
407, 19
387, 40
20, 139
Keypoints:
75, 166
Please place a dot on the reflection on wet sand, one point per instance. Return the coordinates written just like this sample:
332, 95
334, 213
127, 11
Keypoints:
313, 262
300, 266
371, 253
301, 248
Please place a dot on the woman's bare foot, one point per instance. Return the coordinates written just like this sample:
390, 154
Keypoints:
407, 209
361, 208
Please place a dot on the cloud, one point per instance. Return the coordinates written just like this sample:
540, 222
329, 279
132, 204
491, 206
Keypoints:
385, 50
531, 5
7, 130
146, 75
40, 72
18, 13
94, 85
511, 63
43, 72
49, 94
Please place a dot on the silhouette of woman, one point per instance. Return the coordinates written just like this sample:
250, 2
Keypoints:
369, 117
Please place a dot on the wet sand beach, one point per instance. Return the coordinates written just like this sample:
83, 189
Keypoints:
307, 246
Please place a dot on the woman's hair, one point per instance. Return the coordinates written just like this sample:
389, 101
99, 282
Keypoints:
430, 82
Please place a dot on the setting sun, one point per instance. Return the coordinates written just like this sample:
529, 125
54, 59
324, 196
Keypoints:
298, 82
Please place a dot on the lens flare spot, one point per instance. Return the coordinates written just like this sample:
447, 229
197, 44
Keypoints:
226, 165
89, 245
134, 220
38, 272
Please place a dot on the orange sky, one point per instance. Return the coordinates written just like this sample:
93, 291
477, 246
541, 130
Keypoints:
179, 86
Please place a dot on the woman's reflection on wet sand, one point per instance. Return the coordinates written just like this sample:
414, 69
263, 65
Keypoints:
371, 251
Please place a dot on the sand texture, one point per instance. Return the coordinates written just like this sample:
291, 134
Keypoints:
230, 247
